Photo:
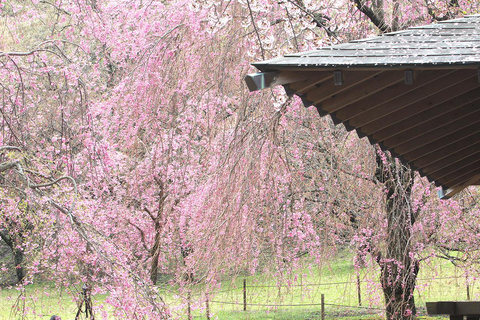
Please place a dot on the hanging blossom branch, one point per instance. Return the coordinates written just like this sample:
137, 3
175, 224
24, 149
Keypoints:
317, 18
92, 236
256, 29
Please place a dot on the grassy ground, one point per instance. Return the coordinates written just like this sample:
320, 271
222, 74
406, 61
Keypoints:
41, 301
337, 281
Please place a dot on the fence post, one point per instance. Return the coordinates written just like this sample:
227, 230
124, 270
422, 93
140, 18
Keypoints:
244, 294
189, 307
323, 306
468, 291
207, 306
359, 290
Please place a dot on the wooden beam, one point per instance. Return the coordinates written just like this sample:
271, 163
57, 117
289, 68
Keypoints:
451, 191
463, 147
315, 81
260, 80
419, 112
466, 114
335, 97
467, 125
376, 105
435, 164
460, 173
440, 172
445, 146
397, 97
325, 89
361, 91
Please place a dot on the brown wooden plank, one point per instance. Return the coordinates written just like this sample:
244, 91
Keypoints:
441, 307
397, 96
465, 172
454, 165
451, 191
315, 79
459, 138
327, 88
390, 94
421, 111
341, 96
442, 163
449, 121
290, 77
466, 125
465, 308
447, 151
393, 98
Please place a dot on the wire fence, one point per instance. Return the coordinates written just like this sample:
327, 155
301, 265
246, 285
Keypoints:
325, 300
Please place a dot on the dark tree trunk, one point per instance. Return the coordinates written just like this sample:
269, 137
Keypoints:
18, 258
18, 255
155, 253
399, 267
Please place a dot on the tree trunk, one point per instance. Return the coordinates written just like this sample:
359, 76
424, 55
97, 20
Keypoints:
18, 255
155, 254
18, 258
399, 267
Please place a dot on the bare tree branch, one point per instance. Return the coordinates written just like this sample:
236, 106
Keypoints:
8, 165
374, 17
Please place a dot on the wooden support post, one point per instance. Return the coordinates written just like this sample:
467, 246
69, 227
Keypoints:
323, 306
207, 306
189, 307
359, 291
244, 294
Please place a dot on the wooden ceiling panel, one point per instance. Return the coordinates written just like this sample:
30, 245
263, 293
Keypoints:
460, 179
437, 143
315, 95
442, 127
399, 101
440, 170
315, 79
461, 174
429, 166
390, 99
445, 101
465, 114
447, 150
344, 95
446, 145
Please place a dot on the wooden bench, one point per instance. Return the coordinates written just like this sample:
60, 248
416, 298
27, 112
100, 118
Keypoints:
456, 309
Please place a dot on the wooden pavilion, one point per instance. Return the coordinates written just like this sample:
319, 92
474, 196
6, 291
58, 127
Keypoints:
414, 92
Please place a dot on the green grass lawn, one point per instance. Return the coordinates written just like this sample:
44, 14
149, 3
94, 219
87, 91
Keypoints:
41, 301
336, 280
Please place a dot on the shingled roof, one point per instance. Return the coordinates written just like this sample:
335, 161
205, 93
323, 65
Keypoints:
414, 92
